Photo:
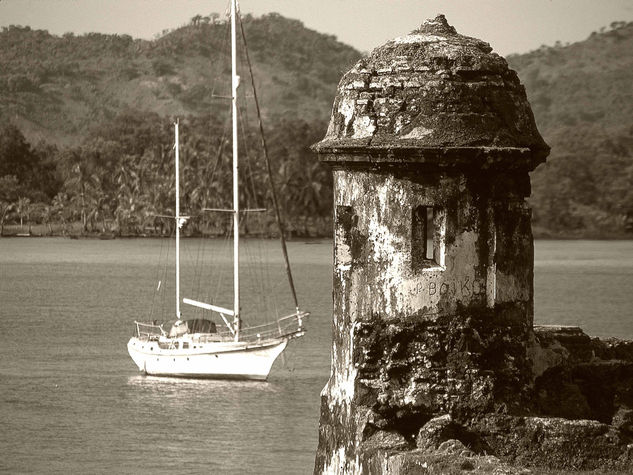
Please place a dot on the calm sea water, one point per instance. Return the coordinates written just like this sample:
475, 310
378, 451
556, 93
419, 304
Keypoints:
72, 400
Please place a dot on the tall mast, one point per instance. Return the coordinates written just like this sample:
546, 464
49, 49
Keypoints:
236, 205
178, 222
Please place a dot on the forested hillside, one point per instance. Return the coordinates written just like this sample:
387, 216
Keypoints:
86, 125
582, 98
58, 88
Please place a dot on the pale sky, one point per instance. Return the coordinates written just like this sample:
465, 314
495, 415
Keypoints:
510, 26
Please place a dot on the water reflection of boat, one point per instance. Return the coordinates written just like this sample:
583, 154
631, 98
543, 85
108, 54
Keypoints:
196, 347
194, 386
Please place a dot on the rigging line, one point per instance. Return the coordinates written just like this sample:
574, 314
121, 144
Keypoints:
243, 323
216, 166
254, 196
214, 220
164, 293
258, 202
220, 151
198, 273
240, 221
197, 268
214, 272
223, 142
260, 275
220, 148
211, 171
258, 268
157, 278
256, 265
213, 269
270, 173
266, 277
276, 308
187, 168
225, 40
224, 245
247, 258
221, 220
186, 258
254, 271
200, 258
255, 268
200, 265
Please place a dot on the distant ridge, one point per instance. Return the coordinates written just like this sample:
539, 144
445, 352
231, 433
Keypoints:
55, 88
582, 98
73, 91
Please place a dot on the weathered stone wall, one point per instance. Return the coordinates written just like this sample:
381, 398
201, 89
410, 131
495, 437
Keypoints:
436, 366
409, 342
579, 417
431, 89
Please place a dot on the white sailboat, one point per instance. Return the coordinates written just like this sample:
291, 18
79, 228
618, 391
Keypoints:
195, 347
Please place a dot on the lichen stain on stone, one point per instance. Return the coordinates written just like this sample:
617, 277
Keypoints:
413, 38
340, 388
364, 126
417, 133
346, 109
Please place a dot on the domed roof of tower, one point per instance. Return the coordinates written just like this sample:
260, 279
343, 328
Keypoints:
433, 89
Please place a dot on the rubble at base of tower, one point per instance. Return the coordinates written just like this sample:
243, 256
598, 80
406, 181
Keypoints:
581, 418
580, 414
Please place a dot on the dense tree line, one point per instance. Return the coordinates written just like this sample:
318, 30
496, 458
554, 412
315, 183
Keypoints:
120, 179
61, 85
586, 186
28, 177
582, 102
101, 102
111, 169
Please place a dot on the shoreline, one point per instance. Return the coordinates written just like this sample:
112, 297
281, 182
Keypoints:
289, 237
295, 237
108, 237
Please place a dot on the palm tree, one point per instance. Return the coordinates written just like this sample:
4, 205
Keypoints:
311, 194
23, 207
9, 191
42, 213
98, 208
61, 207
77, 173
5, 209
47, 214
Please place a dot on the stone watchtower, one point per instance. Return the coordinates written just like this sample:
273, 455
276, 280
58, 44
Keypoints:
431, 141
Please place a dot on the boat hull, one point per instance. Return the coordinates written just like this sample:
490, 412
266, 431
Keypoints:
220, 360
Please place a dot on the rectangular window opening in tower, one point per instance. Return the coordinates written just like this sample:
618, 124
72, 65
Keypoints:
425, 237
